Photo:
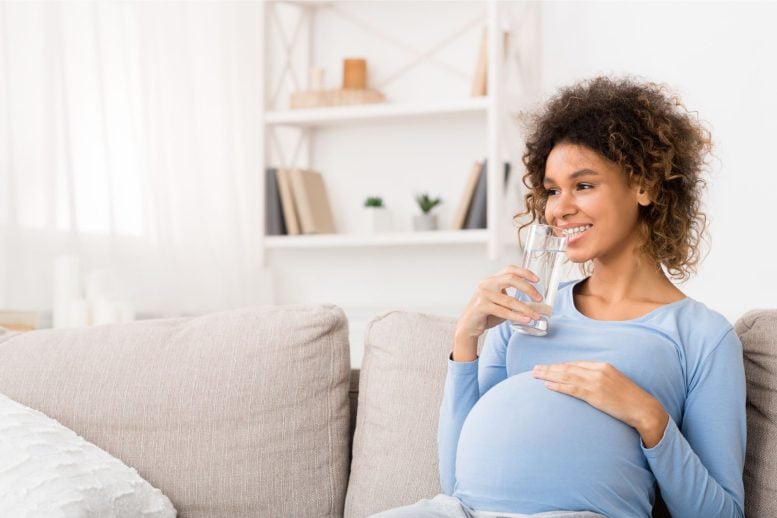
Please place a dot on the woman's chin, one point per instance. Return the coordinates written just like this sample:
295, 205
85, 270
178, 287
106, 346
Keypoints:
577, 257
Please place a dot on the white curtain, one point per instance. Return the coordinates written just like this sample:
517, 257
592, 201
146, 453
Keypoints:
129, 137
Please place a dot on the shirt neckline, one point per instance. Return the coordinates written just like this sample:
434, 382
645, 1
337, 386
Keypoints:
570, 297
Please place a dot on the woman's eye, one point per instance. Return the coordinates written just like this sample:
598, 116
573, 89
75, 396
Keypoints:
551, 192
583, 186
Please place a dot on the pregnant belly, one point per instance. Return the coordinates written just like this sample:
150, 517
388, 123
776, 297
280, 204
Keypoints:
529, 449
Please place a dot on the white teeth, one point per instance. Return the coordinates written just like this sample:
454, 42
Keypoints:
576, 230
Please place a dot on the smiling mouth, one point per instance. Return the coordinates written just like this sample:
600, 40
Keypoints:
575, 232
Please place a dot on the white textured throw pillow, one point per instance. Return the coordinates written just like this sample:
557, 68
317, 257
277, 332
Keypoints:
48, 470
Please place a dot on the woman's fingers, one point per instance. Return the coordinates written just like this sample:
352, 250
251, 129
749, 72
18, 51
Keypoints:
596, 366
499, 285
507, 314
573, 380
513, 306
497, 303
520, 272
522, 285
506, 279
560, 373
506, 301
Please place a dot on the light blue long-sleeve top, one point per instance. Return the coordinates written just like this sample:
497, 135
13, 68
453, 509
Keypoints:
507, 443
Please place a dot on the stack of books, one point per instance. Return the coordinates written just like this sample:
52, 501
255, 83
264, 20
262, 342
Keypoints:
296, 203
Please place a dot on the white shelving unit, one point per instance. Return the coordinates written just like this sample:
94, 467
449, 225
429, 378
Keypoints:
488, 112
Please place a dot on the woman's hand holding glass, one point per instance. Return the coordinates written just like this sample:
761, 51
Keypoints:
490, 305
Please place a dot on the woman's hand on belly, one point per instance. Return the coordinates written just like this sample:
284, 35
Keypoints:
607, 389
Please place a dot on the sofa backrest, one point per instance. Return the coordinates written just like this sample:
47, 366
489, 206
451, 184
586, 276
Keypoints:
758, 332
242, 413
400, 391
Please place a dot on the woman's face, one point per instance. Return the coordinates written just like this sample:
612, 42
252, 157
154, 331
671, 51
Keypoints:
589, 197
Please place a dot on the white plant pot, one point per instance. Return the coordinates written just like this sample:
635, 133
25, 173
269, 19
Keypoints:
424, 222
377, 220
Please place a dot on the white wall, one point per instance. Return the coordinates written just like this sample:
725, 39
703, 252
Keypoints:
720, 57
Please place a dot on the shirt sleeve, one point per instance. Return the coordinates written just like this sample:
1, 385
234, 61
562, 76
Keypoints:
698, 466
465, 382
493, 357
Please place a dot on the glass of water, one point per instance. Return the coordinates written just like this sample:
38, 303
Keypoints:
543, 255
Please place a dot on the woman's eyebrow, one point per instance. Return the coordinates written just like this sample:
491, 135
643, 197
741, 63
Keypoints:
576, 174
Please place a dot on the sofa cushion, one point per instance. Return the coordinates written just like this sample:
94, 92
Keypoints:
242, 413
48, 470
400, 391
758, 332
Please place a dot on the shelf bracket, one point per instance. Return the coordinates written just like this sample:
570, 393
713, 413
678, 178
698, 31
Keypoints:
302, 139
289, 45
421, 55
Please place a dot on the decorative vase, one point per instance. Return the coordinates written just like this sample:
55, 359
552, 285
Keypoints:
377, 220
424, 222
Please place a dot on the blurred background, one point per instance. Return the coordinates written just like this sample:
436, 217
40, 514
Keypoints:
138, 141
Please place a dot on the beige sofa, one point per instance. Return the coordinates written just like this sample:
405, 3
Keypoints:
246, 413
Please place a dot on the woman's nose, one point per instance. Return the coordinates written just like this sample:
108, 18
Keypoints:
563, 207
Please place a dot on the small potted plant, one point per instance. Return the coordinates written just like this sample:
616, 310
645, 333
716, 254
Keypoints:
426, 220
377, 217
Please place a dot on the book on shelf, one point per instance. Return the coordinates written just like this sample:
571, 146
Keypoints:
476, 215
478, 209
480, 77
274, 222
466, 197
287, 201
312, 202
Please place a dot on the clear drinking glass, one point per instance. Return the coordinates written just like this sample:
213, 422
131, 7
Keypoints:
543, 255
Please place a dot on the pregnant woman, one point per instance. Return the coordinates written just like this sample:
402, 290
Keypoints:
636, 387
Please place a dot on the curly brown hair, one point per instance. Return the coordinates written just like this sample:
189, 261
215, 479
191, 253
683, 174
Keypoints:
648, 132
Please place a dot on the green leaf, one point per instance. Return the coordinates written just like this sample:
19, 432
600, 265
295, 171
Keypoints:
426, 203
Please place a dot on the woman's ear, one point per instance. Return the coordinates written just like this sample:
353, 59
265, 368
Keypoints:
637, 183
643, 198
